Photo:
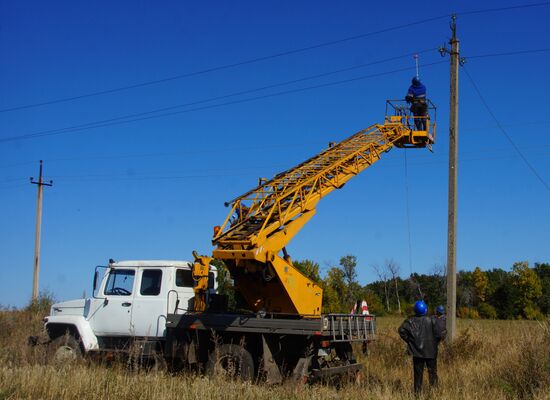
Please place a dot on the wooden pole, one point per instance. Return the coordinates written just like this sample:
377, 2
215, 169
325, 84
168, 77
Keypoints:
36, 272
452, 211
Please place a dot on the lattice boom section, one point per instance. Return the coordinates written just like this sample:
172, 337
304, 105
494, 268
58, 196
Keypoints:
268, 207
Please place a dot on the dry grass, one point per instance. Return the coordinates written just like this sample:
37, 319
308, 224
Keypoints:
490, 360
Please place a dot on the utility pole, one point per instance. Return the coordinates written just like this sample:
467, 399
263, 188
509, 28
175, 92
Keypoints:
453, 155
36, 273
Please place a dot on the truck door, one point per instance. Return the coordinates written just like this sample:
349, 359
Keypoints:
149, 308
113, 316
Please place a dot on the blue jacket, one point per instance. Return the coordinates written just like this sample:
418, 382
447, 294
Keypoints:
417, 90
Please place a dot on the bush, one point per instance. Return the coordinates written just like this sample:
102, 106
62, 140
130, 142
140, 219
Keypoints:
533, 313
466, 312
528, 373
487, 311
41, 305
467, 345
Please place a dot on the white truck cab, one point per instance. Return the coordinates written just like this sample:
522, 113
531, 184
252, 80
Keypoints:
130, 303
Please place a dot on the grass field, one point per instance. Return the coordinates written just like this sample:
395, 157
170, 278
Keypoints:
489, 360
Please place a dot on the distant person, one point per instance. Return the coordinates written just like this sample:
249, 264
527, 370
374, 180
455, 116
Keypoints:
422, 335
416, 97
440, 317
440, 311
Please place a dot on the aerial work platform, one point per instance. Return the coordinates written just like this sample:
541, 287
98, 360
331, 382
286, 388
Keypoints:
398, 112
264, 220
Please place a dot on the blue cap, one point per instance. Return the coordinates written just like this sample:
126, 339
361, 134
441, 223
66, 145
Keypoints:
440, 310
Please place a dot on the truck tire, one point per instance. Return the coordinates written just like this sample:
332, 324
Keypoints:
64, 350
232, 361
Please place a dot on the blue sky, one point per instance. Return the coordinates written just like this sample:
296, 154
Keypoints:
155, 188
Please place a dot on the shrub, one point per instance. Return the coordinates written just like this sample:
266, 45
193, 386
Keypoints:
487, 311
528, 373
466, 312
41, 305
533, 313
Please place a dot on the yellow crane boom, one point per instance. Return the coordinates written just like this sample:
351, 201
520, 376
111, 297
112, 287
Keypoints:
264, 220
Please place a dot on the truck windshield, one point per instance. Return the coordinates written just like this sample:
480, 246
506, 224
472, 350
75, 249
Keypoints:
120, 282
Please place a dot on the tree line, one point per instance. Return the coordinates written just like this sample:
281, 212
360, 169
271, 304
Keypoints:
522, 292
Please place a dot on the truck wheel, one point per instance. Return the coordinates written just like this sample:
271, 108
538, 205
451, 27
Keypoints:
157, 363
232, 361
65, 350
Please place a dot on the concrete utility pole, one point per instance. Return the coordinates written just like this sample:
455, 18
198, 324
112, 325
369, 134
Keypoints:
453, 155
36, 273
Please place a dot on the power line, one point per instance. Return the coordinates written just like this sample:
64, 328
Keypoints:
135, 116
14, 186
222, 67
501, 128
176, 174
117, 121
164, 155
497, 9
243, 148
263, 58
509, 53
248, 91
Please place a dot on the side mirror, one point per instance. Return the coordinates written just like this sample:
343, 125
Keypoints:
95, 281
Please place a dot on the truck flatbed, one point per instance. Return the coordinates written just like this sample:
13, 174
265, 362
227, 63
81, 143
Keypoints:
334, 327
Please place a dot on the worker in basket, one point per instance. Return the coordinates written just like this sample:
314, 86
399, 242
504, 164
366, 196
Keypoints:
416, 97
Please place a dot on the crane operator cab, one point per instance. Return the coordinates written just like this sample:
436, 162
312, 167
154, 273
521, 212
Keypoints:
421, 126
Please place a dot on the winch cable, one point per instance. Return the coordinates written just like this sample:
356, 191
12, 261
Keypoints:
407, 209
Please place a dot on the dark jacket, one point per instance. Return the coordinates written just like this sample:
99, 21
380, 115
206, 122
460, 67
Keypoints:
422, 335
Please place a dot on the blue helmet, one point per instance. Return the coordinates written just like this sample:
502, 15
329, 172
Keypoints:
415, 81
420, 308
440, 310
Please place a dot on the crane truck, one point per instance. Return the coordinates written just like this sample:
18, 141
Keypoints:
171, 311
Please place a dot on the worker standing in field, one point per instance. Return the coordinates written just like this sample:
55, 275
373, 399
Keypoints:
422, 335
440, 315
416, 97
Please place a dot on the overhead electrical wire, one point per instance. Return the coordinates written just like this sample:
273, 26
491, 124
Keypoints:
501, 128
507, 8
142, 115
509, 53
233, 149
263, 58
176, 174
130, 118
221, 67
248, 91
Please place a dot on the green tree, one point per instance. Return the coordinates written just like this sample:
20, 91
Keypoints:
499, 293
349, 268
543, 272
309, 268
352, 291
528, 288
464, 289
373, 301
225, 283
334, 291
